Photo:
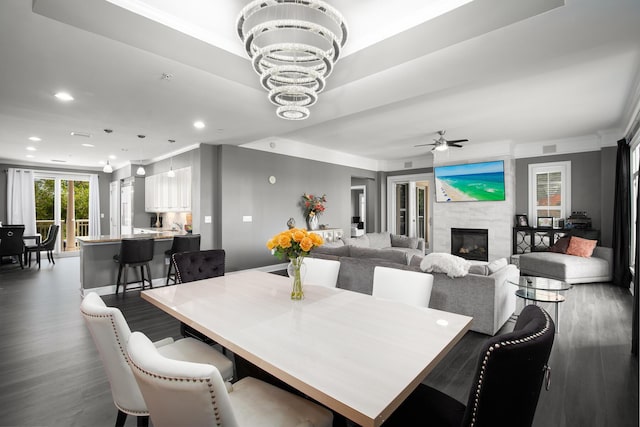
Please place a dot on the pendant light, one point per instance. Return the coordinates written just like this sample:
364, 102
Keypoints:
107, 168
171, 173
141, 170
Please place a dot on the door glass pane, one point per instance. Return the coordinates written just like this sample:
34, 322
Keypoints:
45, 197
421, 212
402, 202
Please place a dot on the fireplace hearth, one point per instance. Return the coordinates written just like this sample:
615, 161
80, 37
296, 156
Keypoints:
470, 243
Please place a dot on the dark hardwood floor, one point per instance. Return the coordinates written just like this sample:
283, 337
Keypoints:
52, 376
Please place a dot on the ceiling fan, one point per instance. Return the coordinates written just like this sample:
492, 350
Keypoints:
442, 144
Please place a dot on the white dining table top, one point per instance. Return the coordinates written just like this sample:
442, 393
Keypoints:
357, 355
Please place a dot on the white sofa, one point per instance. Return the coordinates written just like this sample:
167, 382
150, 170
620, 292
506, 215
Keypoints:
569, 268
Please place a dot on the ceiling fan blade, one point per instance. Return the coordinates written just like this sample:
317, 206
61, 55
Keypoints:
422, 145
451, 141
455, 145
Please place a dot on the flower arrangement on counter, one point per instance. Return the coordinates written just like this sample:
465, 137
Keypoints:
313, 205
294, 243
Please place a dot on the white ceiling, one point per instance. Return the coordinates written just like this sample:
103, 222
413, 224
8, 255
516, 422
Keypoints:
498, 72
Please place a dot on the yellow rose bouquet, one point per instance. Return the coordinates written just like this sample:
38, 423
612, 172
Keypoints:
295, 244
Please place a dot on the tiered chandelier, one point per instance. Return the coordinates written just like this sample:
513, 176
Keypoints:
293, 45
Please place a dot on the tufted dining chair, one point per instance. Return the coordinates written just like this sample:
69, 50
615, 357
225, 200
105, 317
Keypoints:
111, 332
197, 265
48, 245
322, 272
11, 243
181, 393
509, 375
186, 243
409, 287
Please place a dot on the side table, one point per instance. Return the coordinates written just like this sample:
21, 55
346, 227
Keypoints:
541, 289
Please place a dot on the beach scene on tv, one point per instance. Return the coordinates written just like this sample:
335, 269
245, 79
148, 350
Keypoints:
470, 183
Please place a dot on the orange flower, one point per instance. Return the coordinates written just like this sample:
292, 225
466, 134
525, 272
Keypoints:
316, 238
298, 235
306, 244
271, 244
284, 241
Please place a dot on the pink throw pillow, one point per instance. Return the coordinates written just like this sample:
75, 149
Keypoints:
581, 247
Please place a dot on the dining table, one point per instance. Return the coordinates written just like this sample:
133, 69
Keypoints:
358, 355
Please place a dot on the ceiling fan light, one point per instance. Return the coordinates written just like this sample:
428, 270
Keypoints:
441, 147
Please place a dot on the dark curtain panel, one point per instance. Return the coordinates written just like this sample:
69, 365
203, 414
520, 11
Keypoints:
622, 217
636, 280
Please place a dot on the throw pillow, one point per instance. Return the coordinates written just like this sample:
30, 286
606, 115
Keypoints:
479, 269
400, 241
451, 265
581, 247
561, 245
496, 265
379, 240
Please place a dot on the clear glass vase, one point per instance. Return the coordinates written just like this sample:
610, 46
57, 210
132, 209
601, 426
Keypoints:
296, 270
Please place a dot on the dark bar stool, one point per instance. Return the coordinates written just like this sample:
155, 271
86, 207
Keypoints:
186, 243
134, 253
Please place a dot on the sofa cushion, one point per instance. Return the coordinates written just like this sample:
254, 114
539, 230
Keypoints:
329, 250
581, 247
562, 266
356, 274
561, 245
380, 254
480, 268
379, 240
404, 241
497, 265
360, 241
451, 265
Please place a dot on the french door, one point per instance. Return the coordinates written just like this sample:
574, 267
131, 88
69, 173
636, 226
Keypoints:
62, 200
408, 205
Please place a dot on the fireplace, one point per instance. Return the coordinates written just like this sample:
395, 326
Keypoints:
470, 243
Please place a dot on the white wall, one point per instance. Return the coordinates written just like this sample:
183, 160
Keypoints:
497, 217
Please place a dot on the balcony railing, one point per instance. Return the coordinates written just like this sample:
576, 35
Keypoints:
81, 229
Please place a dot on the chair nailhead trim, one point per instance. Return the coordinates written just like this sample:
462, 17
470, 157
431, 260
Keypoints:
212, 392
488, 355
122, 351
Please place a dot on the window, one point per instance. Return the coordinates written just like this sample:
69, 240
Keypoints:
549, 190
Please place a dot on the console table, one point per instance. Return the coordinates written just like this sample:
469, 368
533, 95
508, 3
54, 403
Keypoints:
330, 234
530, 239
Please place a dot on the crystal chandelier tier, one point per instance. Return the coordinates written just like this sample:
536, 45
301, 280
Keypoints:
293, 45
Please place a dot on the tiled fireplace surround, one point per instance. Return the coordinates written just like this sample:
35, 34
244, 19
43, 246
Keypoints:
496, 217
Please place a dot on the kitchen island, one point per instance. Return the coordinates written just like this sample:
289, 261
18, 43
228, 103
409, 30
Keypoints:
99, 271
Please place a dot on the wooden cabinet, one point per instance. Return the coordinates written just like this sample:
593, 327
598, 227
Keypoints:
165, 194
529, 239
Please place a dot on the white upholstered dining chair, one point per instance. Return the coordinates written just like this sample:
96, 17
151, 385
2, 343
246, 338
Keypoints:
111, 332
182, 393
322, 272
409, 287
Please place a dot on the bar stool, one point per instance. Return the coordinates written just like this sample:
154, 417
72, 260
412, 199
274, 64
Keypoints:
134, 253
186, 243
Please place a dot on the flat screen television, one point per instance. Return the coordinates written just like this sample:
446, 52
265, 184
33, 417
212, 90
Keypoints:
472, 182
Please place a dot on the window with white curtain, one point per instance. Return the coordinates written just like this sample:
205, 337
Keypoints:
549, 190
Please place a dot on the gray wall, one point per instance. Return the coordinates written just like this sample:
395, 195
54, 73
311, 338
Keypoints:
246, 191
103, 178
592, 184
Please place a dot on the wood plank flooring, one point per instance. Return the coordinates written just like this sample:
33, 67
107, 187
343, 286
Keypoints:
52, 375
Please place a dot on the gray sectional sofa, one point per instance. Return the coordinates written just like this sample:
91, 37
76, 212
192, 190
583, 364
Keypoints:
487, 297
409, 245
569, 268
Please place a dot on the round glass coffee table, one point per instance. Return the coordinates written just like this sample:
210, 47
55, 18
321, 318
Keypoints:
541, 289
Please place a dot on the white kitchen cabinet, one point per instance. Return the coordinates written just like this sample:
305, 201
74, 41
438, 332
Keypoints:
165, 194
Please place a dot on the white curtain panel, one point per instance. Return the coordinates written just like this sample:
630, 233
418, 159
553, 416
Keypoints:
94, 205
21, 199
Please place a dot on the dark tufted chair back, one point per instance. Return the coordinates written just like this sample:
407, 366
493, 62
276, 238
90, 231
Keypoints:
198, 265
506, 385
510, 372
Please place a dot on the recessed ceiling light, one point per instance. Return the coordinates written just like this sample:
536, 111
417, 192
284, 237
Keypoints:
32, 149
112, 157
198, 125
88, 145
64, 96
30, 156
82, 134
34, 139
